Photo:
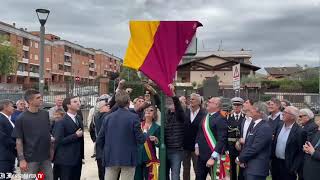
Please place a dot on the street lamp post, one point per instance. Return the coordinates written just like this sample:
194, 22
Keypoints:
42, 17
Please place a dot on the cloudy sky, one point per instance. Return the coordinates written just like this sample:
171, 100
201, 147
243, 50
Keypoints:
279, 32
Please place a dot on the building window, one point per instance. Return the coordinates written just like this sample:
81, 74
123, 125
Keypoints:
60, 67
36, 45
21, 67
47, 59
30, 56
34, 69
30, 43
36, 57
26, 54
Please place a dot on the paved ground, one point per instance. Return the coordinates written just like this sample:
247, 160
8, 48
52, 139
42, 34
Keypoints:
90, 170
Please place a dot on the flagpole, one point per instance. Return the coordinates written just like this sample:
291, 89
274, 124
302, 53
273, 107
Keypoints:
162, 145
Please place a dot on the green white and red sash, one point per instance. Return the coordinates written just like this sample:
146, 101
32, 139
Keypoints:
218, 170
153, 162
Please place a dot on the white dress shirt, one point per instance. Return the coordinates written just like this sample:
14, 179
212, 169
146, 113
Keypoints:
246, 126
257, 122
235, 116
193, 115
275, 116
73, 117
282, 141
9, 118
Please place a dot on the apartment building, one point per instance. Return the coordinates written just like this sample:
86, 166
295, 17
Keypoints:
64, 60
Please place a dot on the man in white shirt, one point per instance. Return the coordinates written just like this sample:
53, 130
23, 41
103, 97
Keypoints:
287, 150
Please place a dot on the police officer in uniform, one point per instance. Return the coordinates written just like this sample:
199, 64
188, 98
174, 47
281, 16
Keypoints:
234, 121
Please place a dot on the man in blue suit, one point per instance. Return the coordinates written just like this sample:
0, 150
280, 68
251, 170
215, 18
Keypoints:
256, 152
119, 137
8, 144
69, 150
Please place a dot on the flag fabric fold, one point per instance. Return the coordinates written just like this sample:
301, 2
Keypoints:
156, 48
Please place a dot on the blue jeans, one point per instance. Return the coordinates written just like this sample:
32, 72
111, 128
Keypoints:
174, 159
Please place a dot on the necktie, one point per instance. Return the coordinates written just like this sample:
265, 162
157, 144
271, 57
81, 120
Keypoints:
77, 120
237, 117
250, 128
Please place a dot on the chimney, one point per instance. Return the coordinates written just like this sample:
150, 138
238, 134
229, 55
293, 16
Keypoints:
14, 24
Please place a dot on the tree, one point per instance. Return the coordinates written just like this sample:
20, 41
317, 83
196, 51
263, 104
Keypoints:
129, 74
8, 57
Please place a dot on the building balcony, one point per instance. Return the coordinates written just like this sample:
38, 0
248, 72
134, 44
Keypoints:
25, 48
22, 73
67, 63
67, 54
91, 77
67, 73
91, 69
91, 61
24, 60
33, 74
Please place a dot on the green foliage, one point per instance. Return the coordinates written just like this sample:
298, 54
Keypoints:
8, 57
265, 97
310, 85
129, 74
250, 79
290, 85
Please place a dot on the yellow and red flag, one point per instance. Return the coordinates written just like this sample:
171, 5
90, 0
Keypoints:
156, 48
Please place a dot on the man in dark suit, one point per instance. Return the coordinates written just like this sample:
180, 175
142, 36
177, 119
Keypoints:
119, 137
274, 108
69, 150
287, 150
7, 146
234, 121
193, 117
256, 152
207, 155
245, 126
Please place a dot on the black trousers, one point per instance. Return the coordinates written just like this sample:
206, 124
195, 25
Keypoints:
251, 177
280, 171
101, 169
233, 168
202, 169
6, 167
241, 174
69, 172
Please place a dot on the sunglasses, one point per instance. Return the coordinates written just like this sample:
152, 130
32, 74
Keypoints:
286, 112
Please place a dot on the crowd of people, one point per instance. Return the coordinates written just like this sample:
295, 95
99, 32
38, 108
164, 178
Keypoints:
249, 142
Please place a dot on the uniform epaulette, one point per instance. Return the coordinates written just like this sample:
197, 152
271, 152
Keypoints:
224, 114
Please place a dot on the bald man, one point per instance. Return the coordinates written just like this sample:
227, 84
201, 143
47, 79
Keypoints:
58, 105
209, 153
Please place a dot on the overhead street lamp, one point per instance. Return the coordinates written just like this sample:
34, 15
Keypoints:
42, 17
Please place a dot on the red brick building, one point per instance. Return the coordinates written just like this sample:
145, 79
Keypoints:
63, 59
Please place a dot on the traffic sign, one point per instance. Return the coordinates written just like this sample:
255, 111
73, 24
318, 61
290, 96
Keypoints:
77, 78
236, 76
